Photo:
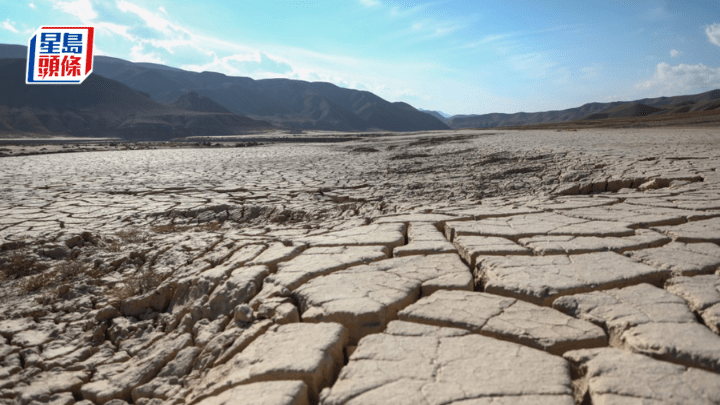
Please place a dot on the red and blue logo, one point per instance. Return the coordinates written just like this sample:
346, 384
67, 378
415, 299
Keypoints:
60, 55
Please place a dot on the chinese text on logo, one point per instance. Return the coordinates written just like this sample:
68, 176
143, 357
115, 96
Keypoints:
60, 55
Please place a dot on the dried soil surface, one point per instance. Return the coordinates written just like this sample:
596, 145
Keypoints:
457, 267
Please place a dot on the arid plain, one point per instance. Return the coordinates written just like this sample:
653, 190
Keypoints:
455, 267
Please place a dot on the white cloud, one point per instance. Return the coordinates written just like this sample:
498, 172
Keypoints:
370, 3
534, 64
9, 26
151, 19
397, 11
682, 78
82, 9
675, 53
503, 43
713, 33
169, 42
256, 64
162, 10
173, 37
138, 54
32, 6
430, 28
442, 31
485, 40
117, 29
591, 72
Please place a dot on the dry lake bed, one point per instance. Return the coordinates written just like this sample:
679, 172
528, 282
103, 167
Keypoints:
455, 267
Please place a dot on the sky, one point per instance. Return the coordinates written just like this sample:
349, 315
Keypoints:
458, 57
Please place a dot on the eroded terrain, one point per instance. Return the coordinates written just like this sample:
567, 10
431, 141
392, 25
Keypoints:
465, 267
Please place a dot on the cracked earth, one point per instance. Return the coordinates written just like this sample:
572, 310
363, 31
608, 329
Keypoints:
465, 267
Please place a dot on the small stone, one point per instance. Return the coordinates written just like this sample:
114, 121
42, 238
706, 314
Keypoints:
56, 252
74, 241
286, 313
106, 313
243, 313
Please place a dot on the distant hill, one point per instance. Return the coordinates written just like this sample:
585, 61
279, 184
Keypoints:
625, 110
8, 51
594, 111
102, 107
282, 102
317, 105
437, 114
192, 101
294, 103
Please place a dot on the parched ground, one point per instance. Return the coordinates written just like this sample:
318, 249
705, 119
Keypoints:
457, 267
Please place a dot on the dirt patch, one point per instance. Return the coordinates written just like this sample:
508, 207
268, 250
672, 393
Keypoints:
365, 149
439, 140
409, 156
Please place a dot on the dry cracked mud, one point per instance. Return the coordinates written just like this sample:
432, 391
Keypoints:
459, 267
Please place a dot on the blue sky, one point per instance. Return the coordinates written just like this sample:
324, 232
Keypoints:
459, 57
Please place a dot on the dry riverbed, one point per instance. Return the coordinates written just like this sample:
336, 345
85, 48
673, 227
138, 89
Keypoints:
456, 267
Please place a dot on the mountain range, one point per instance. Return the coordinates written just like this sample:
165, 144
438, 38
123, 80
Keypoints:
104, 107
594, 111
154, 101
283, 103
437, 114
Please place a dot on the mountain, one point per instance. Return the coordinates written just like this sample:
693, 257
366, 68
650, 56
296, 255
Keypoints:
594, 111
437, 114
192, 101
440, 113
324, 106
625, 110
102, 107
293, 103
8, 51
282, 102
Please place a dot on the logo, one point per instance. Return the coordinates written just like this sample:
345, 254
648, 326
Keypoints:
60, 55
